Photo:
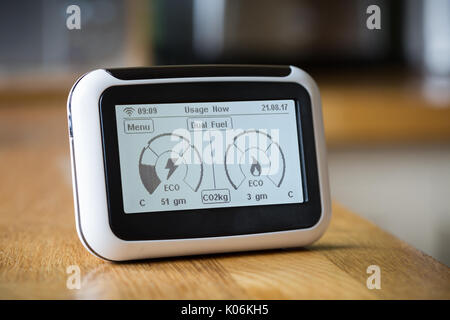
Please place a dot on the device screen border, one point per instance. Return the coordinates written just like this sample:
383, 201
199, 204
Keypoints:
209, 222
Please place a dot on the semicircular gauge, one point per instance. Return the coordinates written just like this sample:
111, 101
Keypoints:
253, 154
172, 158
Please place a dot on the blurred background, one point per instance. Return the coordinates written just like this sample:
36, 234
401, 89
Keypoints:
386, 92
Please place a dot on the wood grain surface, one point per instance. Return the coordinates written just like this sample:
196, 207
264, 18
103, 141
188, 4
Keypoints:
38, 242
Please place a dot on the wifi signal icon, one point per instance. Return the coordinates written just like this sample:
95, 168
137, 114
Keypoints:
129, 111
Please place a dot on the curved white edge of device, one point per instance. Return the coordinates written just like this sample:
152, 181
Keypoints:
91, 209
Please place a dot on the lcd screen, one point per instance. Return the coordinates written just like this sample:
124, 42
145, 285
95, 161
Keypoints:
180, 156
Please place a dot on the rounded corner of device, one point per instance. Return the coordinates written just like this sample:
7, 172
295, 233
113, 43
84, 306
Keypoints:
96, 250
320, 227
325, 218
117, 234
296, 71
303, 78
90, 79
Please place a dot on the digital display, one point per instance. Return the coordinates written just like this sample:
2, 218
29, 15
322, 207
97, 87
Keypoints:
184, 156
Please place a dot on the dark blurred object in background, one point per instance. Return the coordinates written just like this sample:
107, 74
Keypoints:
314, 34
33, 35
308, 33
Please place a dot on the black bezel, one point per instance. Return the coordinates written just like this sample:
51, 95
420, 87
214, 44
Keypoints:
212, 222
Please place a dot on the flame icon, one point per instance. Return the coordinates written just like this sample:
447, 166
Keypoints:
255, 169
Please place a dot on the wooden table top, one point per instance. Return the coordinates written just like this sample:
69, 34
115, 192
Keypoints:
38, 242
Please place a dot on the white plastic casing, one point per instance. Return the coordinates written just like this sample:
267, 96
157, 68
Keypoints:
89, 186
